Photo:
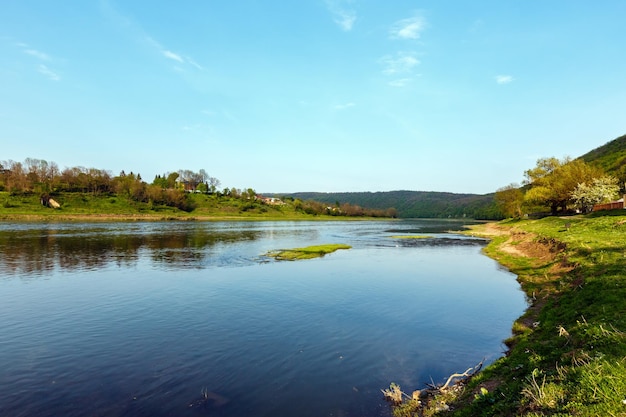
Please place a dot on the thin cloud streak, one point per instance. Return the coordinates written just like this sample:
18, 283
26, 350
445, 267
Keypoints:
137, 31
504, 79
410, 28
28, 50
48, 73
162, 50
172, 55
401, 63
402, 82
37, 54
41, 56
344, 106
194, 63
342, 16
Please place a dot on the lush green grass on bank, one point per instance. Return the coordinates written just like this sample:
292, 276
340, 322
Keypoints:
568, 352
203, 207
77, 204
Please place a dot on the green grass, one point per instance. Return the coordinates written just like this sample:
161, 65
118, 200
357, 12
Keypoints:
87, 206
568, 352
306, 253
79, 204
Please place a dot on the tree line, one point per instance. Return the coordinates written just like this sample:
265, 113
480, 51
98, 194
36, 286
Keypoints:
173, 189
558, 186
337, 209
414, 204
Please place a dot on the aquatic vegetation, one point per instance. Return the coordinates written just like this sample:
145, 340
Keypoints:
308, 252
411, 237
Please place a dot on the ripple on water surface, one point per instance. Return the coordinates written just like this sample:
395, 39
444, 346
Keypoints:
185, 319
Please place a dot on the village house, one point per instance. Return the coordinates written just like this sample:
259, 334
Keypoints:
272, 201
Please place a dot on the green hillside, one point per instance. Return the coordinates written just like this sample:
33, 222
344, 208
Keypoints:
38, 176
411, 204
611, 157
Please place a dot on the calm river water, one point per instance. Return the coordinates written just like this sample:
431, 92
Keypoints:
190, 319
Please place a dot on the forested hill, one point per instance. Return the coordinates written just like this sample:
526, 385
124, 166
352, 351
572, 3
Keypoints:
611, 157
425, 204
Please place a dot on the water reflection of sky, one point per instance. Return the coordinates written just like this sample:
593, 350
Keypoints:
33, 249
136, 319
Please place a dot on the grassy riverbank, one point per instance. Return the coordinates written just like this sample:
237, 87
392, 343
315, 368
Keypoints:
567, 355
85, 206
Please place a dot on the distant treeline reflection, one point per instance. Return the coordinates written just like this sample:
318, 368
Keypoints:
32, 252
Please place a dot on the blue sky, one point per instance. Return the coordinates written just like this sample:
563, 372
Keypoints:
313, 95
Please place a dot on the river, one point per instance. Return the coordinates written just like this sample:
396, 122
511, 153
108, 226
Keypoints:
190, 319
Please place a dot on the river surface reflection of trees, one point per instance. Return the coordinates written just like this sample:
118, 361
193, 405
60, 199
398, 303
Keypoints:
34, 251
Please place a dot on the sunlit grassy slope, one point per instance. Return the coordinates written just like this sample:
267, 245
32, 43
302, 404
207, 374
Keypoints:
568, 353
82, 205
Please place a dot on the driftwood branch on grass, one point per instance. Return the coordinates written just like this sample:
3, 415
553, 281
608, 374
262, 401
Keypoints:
421, 400
470, 372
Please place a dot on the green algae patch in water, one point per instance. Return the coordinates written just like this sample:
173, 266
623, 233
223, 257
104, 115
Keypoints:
308, 252
411, 237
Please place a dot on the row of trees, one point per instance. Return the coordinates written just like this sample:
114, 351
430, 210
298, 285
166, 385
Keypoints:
188, 180
345, 209
37, 175
171, 189
560, 186
40, 176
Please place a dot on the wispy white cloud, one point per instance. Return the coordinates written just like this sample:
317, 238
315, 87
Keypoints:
28, 50
172, 55
346, 20
344, 106
185, 60
401, 82
135, 31
48, 73
189, 128
37, 54
194, 63
41, 56
224, 114
504, 79
476, 26
400, 63
410, 28
162, 50
343, 15
401, 66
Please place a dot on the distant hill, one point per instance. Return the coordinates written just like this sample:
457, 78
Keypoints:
428, 204
411, 204
611, 157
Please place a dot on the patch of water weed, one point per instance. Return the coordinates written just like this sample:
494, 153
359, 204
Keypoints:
308, 252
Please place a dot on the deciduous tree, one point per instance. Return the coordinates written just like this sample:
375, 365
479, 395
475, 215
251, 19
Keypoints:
599, 190
553, 181
510, 200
